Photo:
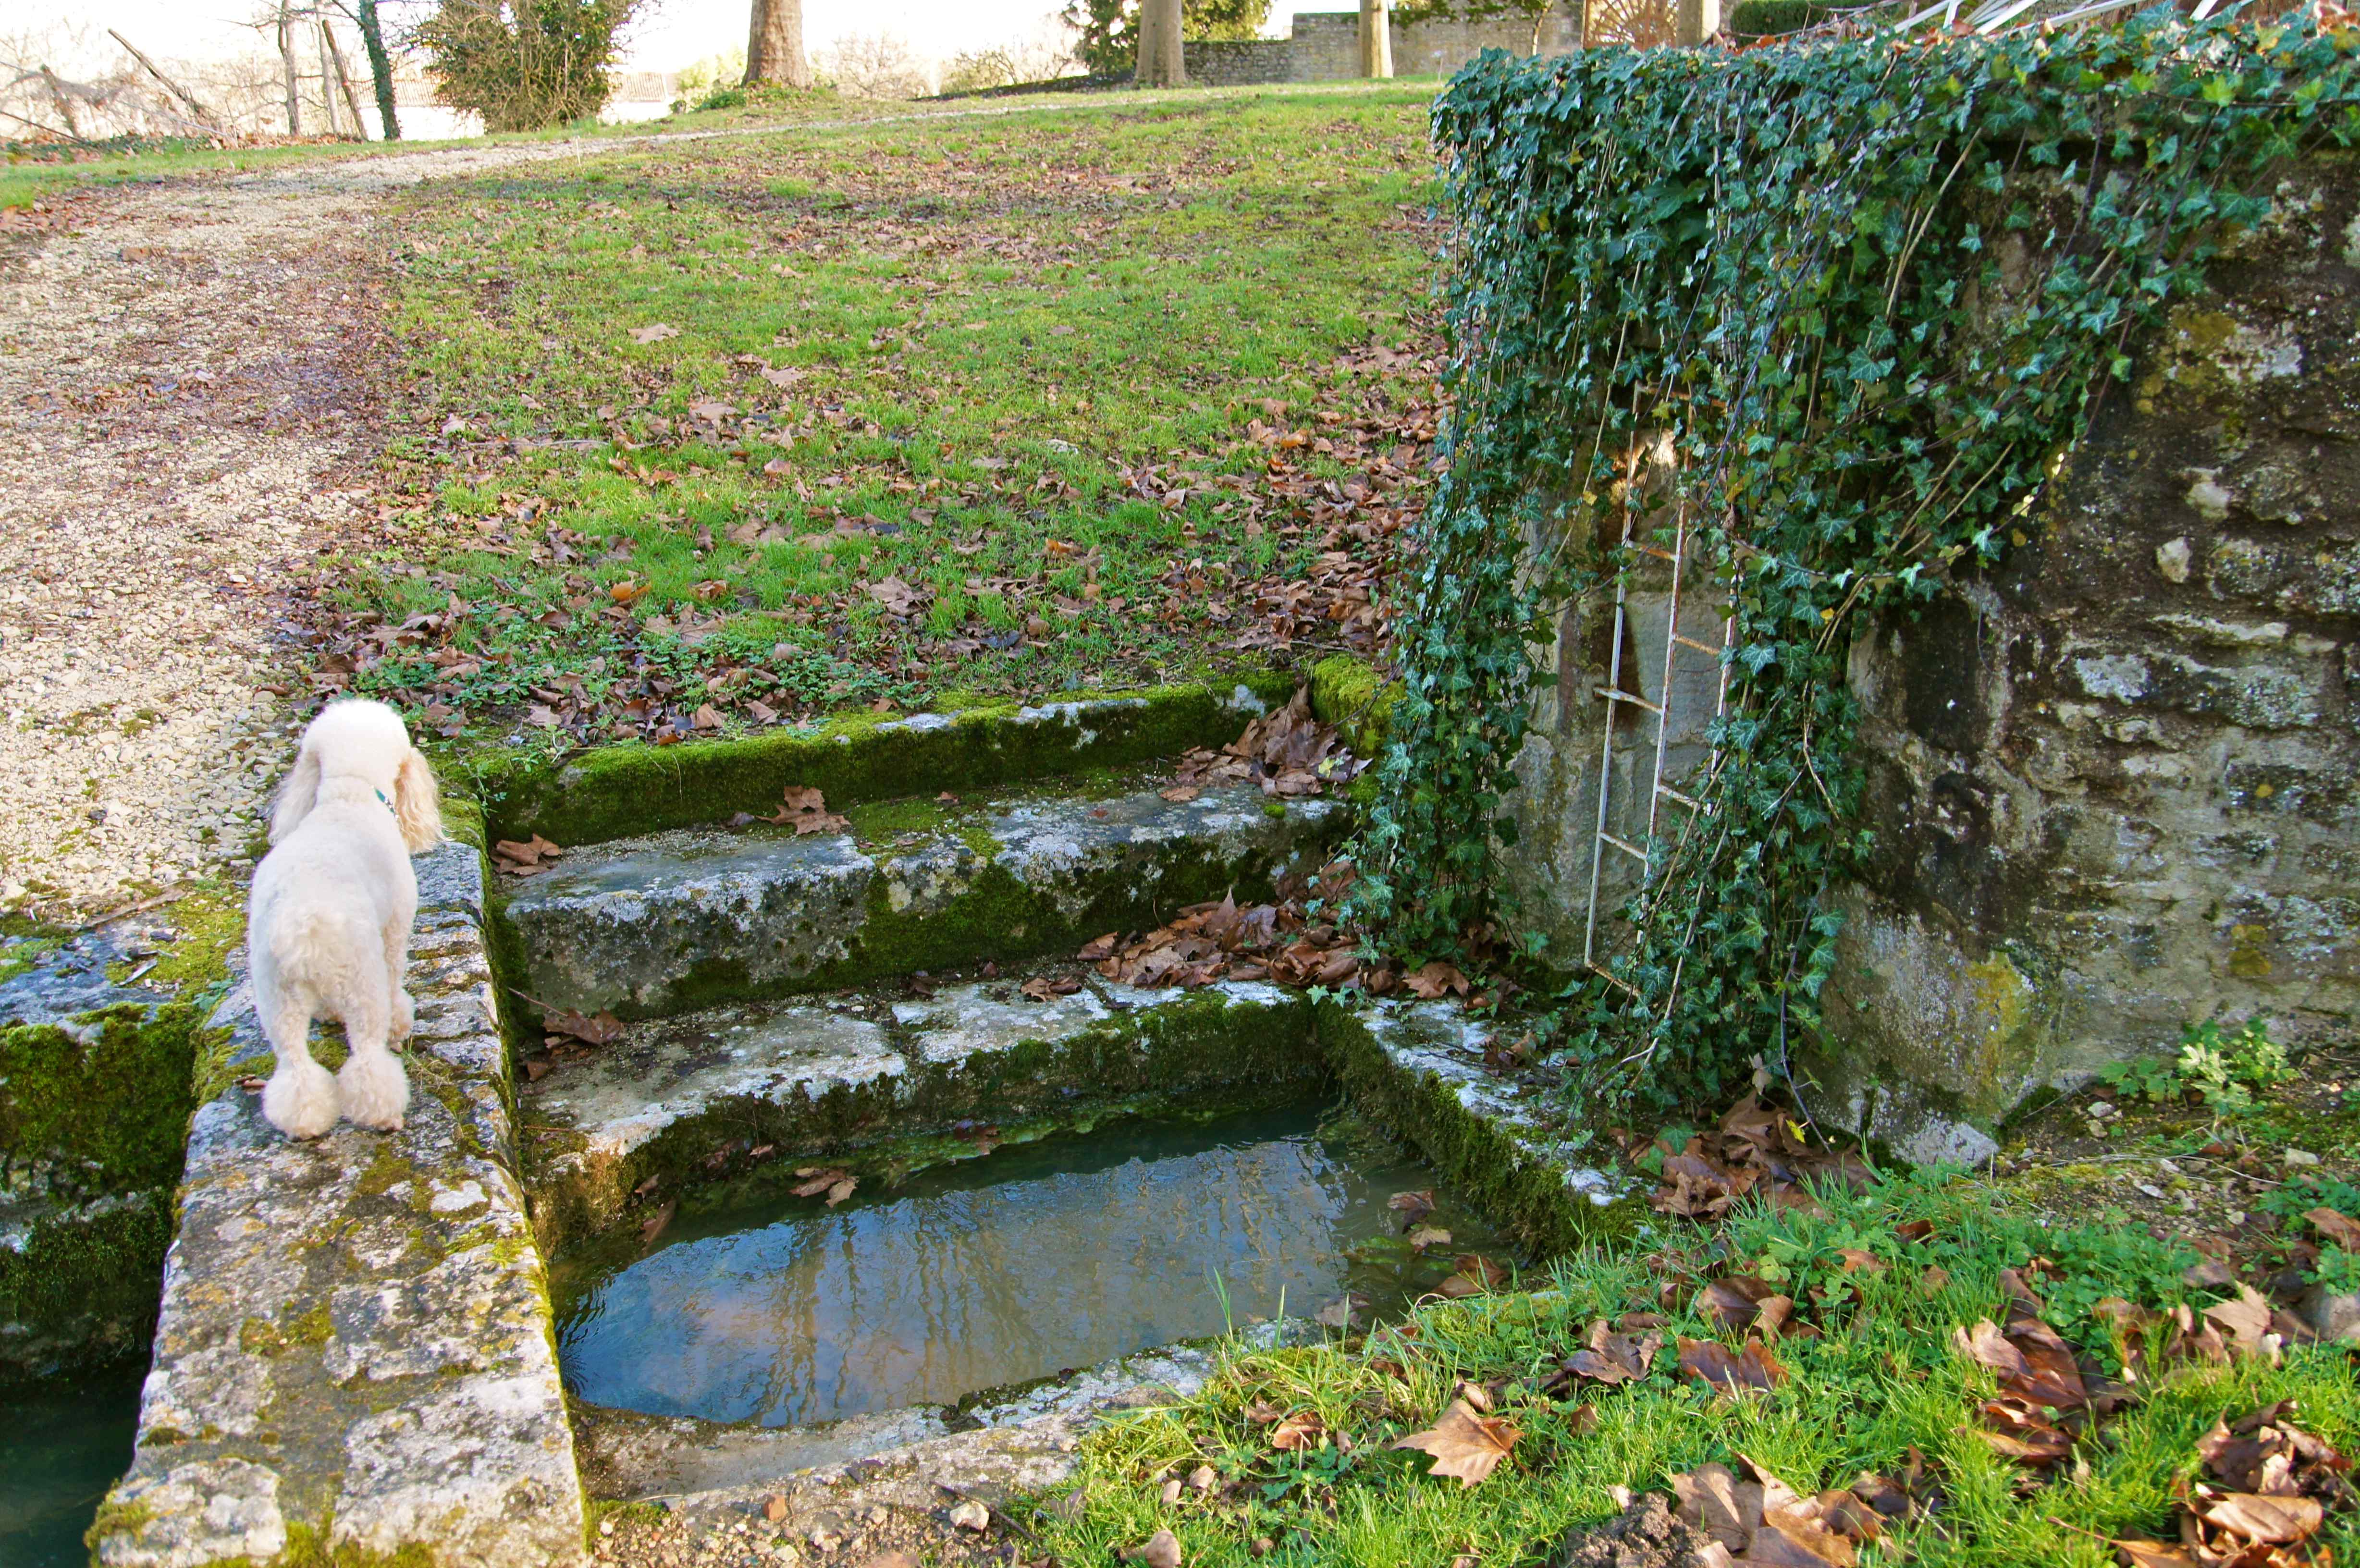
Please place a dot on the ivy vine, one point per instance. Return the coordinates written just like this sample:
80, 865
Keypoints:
1844, 305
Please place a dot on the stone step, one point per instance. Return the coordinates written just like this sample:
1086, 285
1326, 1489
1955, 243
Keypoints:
685, 1101
355, 1353
661, 925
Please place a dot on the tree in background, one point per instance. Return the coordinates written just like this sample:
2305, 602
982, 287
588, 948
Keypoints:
380, 66
1108, 45
774, 45
1162, 60
523, 64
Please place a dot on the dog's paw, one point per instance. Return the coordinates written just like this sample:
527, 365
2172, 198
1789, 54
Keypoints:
376, 1091
300, 1100
405, 1016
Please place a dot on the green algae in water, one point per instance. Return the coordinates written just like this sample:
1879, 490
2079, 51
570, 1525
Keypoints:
1039, 1259
60, 1450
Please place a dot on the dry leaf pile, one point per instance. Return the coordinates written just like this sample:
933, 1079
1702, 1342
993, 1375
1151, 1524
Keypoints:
1288, 753
2044, 1400
1756, 1152
1766, 1521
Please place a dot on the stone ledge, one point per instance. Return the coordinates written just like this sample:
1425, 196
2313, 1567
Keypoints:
354, 1349
614, 791
660, 925
811, 1080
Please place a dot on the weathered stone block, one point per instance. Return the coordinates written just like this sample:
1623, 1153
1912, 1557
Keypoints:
655, 925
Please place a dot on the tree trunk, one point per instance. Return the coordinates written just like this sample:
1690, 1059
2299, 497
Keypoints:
381, 69
1698, 21
328, 86
1540, 20
1163, 62
345, 81
774, 44
1376, 39
286, 59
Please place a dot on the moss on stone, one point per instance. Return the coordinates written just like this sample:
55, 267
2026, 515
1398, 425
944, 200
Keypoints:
112, 1113
618, 792
83, 1291
1348, 693
211, 922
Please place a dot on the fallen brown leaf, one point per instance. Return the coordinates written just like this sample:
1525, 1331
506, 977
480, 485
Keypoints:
1464, 1443
805, 810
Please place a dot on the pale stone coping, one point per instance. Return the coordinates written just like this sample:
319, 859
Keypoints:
1436, 1040
356, 1334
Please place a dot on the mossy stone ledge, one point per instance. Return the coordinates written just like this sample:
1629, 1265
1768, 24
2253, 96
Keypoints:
701, 1108
355, 1357
620, 790
657, 926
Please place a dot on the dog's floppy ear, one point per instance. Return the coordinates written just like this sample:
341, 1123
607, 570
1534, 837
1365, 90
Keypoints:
297, 794
417, 802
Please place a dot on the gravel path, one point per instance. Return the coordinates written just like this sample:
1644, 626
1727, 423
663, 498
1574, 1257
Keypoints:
179, 383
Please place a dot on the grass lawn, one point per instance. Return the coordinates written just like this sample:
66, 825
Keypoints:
720, 433
1867, 1376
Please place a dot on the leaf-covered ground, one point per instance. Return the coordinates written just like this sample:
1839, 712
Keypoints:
1833, 1367
709, 436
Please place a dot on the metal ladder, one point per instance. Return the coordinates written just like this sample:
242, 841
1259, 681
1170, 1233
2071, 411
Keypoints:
1612, 694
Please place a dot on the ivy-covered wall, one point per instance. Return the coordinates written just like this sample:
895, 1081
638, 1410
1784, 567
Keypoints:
2115, 782
1867, 326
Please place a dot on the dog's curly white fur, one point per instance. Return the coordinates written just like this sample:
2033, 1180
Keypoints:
327, 925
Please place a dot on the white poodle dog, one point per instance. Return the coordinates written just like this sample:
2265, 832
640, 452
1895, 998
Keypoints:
327, 926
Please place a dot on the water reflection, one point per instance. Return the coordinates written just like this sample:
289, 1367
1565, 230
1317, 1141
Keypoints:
1040, 1257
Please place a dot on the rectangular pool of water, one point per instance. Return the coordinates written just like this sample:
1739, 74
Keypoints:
1036, 1260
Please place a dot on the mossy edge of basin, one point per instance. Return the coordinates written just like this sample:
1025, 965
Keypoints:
619, 791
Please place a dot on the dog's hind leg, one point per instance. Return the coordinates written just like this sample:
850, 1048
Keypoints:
375, 1089
300, 1100
396, 968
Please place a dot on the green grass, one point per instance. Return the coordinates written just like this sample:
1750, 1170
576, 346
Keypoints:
1022, 353
1883, 1381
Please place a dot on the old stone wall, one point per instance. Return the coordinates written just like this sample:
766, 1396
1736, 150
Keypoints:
1249, 62
2113, 781
1325, 46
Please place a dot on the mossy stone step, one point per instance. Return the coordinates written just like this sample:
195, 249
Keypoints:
354, 1358
686, 1101
662, 925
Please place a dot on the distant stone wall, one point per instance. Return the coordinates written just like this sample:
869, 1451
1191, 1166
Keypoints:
2115, 784
1250, 62
1325, 46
